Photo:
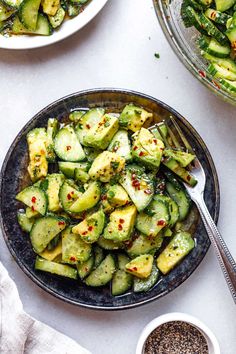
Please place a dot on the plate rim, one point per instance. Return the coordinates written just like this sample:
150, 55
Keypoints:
183, 120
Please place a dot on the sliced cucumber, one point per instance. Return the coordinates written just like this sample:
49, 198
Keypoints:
81, 175
55, 181
229, 85
231, 34
120, 144
55, 268
34, 198
58, 18
11, 4
181, 197
144, 245
226, 63
217, 16
31, 213
212, 30
25, 223
180, 245
219, 72
193, 19
68, 168
121, 282
67, 145
91, 227
5, 13
74, 249
122, 260
85, 268
44, 230
76, 115
223, 5
98, 256
53, 253
103, 273
88, 200
138, 185
144, 285
154, 219
43, 27
88, 120
109, 245
68, 194
182, 157
173, 208
28, 13
211, 46
180, 171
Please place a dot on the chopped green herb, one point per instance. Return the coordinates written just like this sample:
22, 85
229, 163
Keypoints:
157, 55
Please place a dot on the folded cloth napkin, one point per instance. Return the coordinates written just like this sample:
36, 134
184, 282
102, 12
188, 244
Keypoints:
20, 333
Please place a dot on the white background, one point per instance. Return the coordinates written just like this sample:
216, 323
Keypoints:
117, 50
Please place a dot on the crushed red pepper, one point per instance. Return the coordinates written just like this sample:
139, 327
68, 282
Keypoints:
68, 147
33, 200
120, 227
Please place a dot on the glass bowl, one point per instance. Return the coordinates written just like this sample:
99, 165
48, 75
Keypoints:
184, 43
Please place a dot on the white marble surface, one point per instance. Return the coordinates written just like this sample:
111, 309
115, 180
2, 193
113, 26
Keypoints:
117, 50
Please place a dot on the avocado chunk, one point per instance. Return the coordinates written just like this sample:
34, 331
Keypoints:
87, 200
52, 254
180, 245
74, 249
68, 168
184, 158
50, 7
140, 266
121, 224
147, 149
37, 144
55, 182
106, 165
100, 134
133, 117
86, 121
180, 171
91, 227
142, 245
117, 196
120, 144
55, 268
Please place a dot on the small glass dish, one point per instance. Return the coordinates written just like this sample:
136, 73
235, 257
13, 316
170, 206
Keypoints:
213, 345
184, 43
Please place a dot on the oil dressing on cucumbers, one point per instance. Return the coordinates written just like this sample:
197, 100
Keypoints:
109, 212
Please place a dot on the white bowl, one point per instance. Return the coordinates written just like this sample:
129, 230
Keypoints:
68, 28
212, 342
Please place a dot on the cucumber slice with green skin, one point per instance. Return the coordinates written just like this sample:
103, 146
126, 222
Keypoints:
73, 10
91, 227
28, 13
68, 194
180, 245
52, 129
88, 199
231, 34
35, 198
76, 115
103, 273
74, 249
138, 185
53, 254
98, 256
43, 27
193, 19
187, 20
219, 72
144, 285
226, 63
173, 208
182, 199
180, 171
122, 260
5, 13
81, 176
109, 245
25, 223
217, 16
212, 30
88, 120
163, 130
223, 5
55, 268
229, 85
58, 18
11, 4
211, 46
55, 181
68, 168
44, 230
31, 213
184, 158
121, 282
152, 221
85, 268
67, 145
120, 144
143, 245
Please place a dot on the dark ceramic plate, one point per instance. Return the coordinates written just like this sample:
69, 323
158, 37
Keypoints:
13, 178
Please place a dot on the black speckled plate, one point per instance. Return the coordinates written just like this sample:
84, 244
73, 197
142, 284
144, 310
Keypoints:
13, 177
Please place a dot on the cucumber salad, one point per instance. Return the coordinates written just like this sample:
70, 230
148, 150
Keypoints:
106, 202
216, 22
36, 17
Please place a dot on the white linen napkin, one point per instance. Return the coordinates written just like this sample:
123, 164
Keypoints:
20, 333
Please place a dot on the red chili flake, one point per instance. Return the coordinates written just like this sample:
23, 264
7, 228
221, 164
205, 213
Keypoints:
88, 126
72, 192
147, 191
216, 84
68, 147
162, 149
69, 196
72, 258
90, 228
120, 227
32, 208
84, 233
188, 178
135, 184
33, 200
121, 221
213, 15
135, 148
141, 153
61, 223
115, 149
104, 197
155, 141
202, 73
161, 222
135, 268
133, 176
86, 269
